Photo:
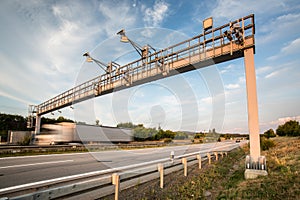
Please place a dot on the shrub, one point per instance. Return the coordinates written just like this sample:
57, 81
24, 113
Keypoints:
290, 128
26, 141
269, 133
167, 140
266, 144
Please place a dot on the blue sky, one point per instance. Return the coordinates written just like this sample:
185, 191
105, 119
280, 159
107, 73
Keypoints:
42, 43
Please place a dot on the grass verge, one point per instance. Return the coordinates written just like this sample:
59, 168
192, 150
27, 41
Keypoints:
42, 152
225, 179
282, 182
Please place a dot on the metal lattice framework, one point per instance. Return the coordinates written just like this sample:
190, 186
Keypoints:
213, 46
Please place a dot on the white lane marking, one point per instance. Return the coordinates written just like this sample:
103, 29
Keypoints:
37, 156
90, 152
17, 187
79, 175
42, 163
100, 152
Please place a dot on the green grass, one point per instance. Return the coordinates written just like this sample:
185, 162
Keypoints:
283, 181
224, 179
219, 176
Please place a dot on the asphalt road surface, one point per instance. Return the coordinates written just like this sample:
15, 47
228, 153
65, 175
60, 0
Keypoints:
16, 171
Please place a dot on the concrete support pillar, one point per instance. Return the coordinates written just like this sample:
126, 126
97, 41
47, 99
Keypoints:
253, 125
37, 124
37, 128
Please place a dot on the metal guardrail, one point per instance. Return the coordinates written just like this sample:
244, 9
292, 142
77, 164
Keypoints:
13, 149
94, 185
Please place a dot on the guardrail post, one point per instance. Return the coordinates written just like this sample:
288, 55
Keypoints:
216, 154
184, 162
172, 156
161, 174
116, 181
199, 160
209, 158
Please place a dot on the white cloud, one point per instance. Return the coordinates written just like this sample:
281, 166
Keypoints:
268, 28
228, 68
49, 40
282, 27
116, 17
206, 100
241, 79
14, 97
262, 70
234, 9
19, 82
232, 86
282, 120
42, 45
277, 72
272, 74
155, 16
292, 48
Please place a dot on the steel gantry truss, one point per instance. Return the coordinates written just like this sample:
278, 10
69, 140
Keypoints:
215, 45
212, 46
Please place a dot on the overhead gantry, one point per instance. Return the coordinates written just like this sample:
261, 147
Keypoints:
215, 45
211, 47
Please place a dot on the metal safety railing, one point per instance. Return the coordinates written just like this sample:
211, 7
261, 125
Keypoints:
212, 44
94, 185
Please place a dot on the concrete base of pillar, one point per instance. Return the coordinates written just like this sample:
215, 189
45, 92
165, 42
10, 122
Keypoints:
253, 173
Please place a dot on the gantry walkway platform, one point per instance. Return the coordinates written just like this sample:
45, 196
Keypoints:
211, 47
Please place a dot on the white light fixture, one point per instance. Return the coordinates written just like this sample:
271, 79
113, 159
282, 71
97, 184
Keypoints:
143, 51
124, 38
99, 63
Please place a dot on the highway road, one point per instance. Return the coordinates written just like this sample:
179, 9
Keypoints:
16, 171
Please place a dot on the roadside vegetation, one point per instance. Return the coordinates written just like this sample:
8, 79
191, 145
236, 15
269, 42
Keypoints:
224, 179
141, 133
283, 181
290, 128
9, 122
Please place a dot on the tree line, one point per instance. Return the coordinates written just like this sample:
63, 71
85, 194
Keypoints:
9, 122
290, 128
141, 133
